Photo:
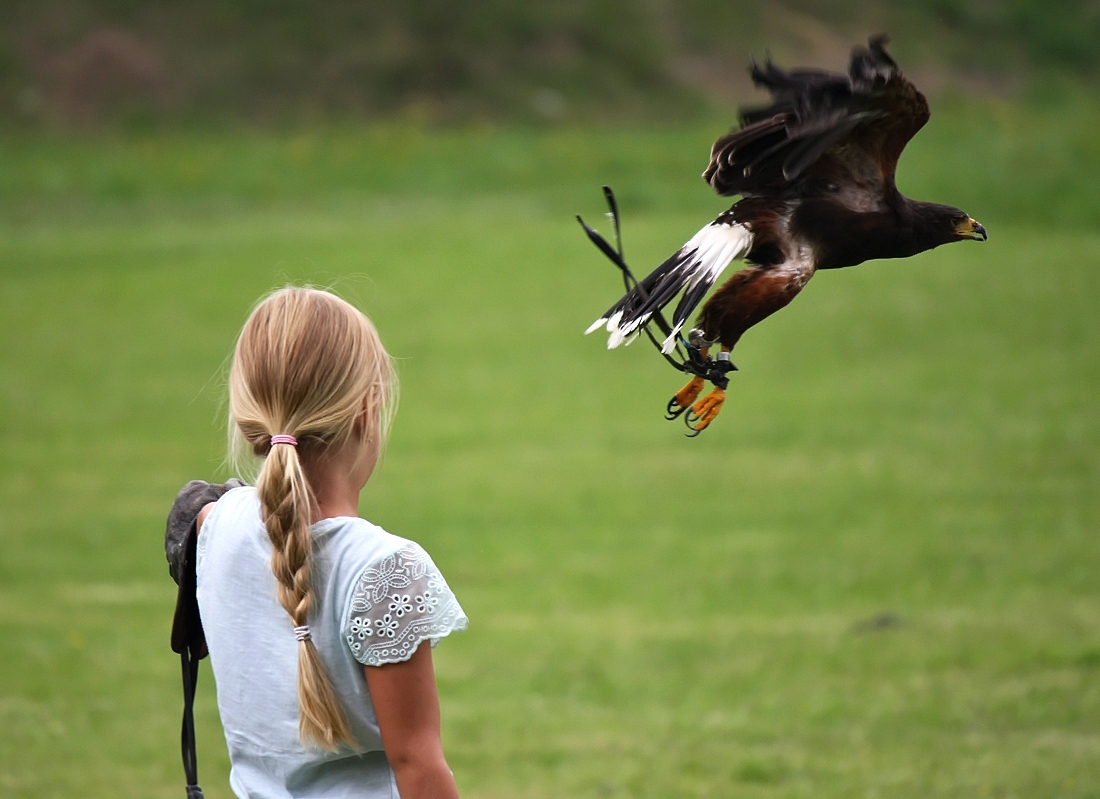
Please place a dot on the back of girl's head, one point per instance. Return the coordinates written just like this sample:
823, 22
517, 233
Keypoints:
308, 365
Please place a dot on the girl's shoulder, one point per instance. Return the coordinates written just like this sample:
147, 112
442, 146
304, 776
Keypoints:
356, 536
225, 520
232, 498
354, 546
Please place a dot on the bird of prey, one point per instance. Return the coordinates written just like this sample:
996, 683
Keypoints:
815, 173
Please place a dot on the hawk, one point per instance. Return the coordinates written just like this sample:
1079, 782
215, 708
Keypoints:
815, 173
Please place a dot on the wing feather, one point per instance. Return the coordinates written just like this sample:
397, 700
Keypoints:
822, 129
691, 271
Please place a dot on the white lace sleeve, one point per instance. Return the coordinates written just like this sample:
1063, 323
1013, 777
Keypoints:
397, 603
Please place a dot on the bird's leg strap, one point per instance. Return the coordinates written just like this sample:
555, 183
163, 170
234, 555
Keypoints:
714, 370
720, 368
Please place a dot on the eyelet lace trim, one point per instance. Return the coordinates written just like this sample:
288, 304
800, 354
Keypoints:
397, 603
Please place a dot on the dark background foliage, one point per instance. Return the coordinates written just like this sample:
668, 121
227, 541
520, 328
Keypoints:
81, 63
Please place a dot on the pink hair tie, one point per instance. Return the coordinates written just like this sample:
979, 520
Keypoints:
283, 438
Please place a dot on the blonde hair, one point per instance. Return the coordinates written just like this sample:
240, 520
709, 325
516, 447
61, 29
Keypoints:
307, 364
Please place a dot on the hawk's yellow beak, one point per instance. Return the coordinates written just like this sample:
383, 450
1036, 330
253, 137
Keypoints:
971, 229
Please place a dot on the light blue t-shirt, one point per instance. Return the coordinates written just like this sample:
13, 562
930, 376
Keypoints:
376, 598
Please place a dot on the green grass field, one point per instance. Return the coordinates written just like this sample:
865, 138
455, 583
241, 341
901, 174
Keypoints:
910, 442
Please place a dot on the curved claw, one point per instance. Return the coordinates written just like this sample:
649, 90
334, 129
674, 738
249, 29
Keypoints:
674, 411
683, 398
705, 411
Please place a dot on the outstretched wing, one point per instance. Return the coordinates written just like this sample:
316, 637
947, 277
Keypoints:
693, 270
823, 132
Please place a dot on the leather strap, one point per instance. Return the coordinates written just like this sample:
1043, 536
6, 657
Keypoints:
187, 732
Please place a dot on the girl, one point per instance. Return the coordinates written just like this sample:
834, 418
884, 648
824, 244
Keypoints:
318, 622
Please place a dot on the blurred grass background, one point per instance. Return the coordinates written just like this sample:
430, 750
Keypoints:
875, 575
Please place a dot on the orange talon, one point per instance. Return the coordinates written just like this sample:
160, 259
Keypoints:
683, 398
688, 393
706, 410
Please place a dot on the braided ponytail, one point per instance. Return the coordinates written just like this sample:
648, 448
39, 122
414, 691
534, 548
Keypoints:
308, 365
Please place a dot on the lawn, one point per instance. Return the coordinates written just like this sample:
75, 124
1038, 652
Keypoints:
876, 575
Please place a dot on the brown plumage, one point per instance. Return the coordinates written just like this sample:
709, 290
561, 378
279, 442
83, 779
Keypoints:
815, 170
